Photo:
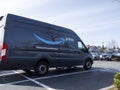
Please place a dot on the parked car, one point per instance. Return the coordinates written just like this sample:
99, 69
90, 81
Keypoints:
106, 56
116, 56
96, 55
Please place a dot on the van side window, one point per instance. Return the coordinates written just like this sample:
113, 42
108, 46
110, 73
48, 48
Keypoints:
71, 45
81, 46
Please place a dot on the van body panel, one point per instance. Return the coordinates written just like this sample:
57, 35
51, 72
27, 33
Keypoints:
29, 41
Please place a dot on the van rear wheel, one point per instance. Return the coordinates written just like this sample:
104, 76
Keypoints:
41, 68
87, 65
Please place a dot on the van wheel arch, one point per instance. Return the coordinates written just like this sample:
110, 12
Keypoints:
42, 60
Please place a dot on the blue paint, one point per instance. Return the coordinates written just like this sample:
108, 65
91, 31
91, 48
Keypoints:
61, 41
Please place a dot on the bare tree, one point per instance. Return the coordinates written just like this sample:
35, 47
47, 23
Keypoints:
112, 44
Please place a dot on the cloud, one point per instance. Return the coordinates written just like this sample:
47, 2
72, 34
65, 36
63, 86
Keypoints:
88, 19
84, 19
100, 26
18, 6
72, 14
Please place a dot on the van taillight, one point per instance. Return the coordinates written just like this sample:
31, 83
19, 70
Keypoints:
3, 52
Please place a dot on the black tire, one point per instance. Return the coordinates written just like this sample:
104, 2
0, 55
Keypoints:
27, 70
41, 68
87, 65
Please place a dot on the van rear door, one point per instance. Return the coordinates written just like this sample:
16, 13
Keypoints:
1, 36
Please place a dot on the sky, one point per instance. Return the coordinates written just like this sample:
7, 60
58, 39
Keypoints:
96, 22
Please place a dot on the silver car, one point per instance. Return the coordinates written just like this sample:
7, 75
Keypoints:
106, 56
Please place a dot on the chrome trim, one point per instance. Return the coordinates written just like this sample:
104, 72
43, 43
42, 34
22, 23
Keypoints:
47, 48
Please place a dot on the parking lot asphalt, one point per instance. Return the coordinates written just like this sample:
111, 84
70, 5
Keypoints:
100, 76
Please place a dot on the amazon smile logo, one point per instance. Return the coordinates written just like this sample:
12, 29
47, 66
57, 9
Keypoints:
61, 40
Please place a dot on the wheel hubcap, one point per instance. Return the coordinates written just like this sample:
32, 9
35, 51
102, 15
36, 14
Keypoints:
88, 64
42, 69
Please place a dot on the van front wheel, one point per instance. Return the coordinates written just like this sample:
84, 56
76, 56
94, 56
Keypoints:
41, 68
87, 65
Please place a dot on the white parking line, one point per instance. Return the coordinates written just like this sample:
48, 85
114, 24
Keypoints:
67, 74
11, 83
109, 70
7, 73
47, 77
47, 87
107, 88
36, 82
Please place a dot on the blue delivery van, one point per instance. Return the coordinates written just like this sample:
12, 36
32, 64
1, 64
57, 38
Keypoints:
34, 45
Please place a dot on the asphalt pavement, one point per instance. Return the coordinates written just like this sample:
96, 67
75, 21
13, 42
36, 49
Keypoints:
99, 77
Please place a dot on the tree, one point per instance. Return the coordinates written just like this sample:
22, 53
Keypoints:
112, 44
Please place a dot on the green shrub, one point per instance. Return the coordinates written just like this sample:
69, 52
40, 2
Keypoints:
117, 80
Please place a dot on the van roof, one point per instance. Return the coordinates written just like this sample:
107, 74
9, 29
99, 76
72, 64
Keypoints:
11, 17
